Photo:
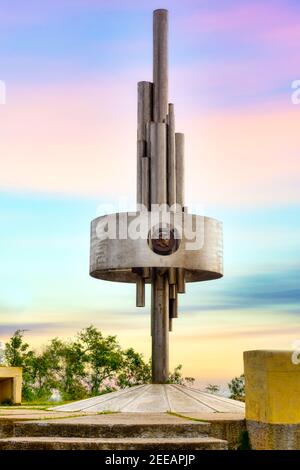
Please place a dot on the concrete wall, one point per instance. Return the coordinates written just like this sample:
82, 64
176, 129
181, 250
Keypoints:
272, 386
11, 384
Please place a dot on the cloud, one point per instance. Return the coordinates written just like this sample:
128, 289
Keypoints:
7, 329
268, 289
262, 22
241, 333
247, 157
80, 140
277, 292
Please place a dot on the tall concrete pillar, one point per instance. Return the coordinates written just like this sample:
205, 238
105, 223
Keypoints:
144, 117
158, 150
160, 327
160, 64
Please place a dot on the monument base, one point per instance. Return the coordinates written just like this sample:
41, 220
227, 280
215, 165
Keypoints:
156, 398
272, 383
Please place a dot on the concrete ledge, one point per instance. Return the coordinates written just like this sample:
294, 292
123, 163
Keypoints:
48, 424
95, 428
266, 436
54, 443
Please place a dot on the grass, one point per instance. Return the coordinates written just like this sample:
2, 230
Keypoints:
64, 415
45, 403
188, 417
33, 405
21, 408
244, 441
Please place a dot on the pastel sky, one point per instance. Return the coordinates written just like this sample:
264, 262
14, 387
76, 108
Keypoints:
67, 150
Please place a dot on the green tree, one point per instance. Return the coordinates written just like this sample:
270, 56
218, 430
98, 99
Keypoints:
18, 354
212, 388
175, 377
72, 372
16, 350
134, 371
237, 388
87, 366
2, 353
43, 369
104, 357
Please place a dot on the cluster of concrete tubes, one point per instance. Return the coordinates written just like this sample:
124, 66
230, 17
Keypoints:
161, 244
160, 182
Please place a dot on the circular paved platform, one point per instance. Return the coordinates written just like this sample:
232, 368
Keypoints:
155, 398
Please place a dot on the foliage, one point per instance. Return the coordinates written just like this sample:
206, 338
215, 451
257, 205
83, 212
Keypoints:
89, 365
104, 356
237, 388
212, 388
18, 354
6, 402
16, 351
244, 441
134, 370
175, 377
70, 368
1, 353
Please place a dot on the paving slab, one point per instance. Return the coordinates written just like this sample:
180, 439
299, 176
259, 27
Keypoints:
153, 398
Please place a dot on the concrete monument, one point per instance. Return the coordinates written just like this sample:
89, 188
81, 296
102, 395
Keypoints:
161, 244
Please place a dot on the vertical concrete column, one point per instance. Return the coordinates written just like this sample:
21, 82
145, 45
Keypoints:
180, 280
179, 150
173, 302
140, 291
158, 156
158, 163
160, 327
179, 156
146, 182
144, 116
173, 309
160, 64
171, 157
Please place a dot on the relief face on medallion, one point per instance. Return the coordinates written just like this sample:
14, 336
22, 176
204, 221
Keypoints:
163, 240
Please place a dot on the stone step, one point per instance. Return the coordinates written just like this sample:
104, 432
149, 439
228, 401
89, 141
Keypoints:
75, 443
77, 428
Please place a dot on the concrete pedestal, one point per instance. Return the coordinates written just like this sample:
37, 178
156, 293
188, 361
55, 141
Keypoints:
272, 385
157, 398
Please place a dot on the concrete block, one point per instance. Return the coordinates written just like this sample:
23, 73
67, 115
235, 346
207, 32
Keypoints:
11, 384
272, 387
